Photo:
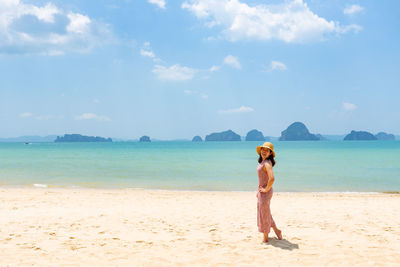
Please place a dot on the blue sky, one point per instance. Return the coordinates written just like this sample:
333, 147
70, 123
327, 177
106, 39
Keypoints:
175, 69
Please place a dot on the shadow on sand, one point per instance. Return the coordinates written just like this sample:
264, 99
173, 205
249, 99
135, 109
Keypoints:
283, 244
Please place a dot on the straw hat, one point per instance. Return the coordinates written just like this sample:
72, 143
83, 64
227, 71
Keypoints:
266, 145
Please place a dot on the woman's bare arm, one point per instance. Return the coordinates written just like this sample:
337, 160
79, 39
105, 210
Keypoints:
271, 177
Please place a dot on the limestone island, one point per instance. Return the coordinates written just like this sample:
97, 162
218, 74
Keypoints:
297, 131
223, 136
255, 135
144, 138
197, 139
385, 136
80, 138
359, 135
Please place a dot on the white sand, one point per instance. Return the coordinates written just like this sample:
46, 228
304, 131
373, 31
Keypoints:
93, 227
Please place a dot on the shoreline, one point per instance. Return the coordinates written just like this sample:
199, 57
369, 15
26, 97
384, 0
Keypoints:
45, 186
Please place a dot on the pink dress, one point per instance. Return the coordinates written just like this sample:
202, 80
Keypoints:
264, 217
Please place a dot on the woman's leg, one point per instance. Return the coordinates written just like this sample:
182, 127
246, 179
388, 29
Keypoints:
277, 232
265, 240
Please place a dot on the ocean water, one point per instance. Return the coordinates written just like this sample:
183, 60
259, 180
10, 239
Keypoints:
327, 166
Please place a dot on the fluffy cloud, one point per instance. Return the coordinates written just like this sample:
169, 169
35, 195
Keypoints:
78, 23
349, 106
159, 3
291, 21
47, 30
174, 73
276, 65
353, 9
92, 116
146, 51
242, 109
214, 68
232, 61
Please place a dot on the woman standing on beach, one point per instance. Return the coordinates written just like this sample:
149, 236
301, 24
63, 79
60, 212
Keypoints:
265, 180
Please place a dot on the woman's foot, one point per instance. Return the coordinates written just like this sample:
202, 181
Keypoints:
279, 234
265, 239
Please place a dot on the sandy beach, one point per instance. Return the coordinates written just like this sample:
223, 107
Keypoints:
129, 227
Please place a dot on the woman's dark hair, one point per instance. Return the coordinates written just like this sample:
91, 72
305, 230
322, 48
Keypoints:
271, 158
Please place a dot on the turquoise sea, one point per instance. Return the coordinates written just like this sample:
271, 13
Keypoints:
301, 166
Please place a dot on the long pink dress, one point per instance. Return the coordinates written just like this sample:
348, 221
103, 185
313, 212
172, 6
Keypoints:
264, 217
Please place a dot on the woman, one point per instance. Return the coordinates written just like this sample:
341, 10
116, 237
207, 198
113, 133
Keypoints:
265, 180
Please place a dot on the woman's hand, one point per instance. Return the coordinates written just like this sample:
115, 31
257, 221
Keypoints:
262, 190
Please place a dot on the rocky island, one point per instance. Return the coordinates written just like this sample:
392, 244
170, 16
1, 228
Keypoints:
385, 136
359, 135
255, 135
81, 138
297, 131
223, 136
144, 138
197, 139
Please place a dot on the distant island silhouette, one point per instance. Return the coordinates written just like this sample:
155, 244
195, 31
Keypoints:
359, 135
144, 138
297, 131
385, 136
223, 136
255, 135
80, 138
197, 139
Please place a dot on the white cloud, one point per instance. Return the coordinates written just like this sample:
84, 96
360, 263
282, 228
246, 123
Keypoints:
47, 30
26, 115
242, 109
146, 51
45, 13
276, 65
232, 61
214, 68
352, 27
353, 9
159, 3
349, 106
92, 116
78, 23
96, 101
291, 21
174, 73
